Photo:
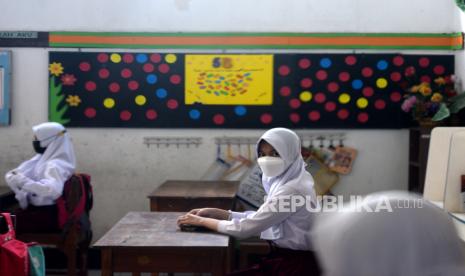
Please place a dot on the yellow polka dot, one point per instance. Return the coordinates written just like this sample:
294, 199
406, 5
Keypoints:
109, 103
381, 83
306, 96
170, 58
344, 98
140, 100
116, 58
362, 103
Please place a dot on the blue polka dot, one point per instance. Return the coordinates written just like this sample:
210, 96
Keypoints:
240, 110
151, 78
194, 114
161, 93
325, 62
141, 58
357, 84
382, 65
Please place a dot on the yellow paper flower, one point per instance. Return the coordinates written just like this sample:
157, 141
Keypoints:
73, 100
425, 90
440, 81
55, 69
415, 88
436, 98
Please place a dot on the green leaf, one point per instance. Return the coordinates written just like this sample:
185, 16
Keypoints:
458, 102
56, 97
442, 113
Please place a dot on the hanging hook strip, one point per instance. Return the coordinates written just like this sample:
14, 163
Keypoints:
177, 141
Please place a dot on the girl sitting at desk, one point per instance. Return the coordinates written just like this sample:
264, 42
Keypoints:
287, 231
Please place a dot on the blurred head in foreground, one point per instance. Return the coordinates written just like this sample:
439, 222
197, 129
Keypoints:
403, 235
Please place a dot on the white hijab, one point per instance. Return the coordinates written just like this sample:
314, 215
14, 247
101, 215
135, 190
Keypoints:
405, 242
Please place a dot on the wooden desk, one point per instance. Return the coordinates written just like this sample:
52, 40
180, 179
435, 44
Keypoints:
7, 198
185, 195
152, 242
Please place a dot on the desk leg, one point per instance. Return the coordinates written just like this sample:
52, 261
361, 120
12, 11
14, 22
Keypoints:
107, 263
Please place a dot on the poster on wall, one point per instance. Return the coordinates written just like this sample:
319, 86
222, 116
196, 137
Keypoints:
5, 75
176, 90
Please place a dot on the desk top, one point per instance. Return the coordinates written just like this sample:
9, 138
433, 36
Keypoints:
196, 188
157, 229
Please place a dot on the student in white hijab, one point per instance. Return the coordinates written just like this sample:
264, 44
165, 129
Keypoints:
38, 182
285, 180
391, 233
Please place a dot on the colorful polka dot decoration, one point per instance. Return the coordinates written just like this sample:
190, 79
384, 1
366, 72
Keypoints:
309, 90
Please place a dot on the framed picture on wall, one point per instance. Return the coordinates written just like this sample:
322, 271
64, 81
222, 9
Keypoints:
5, 74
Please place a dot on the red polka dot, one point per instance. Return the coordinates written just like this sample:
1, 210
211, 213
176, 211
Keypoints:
266, 118
344, 76
155, 58
172, 104
333, 87
306, 83
351, 60
90, 112
133, 85
423, 62
294, 117
398, 61
148, 68
103, 73
320, 97
396, 76
330, 106
362, 117
314, 116
125, 115
128, 58
175, 79
380, 104
343, 114
218, 119
151, 114
285, 91
368, 91
321, 75
304, 63
367, 72
126, 73
439, 69
84, 66
425, 78
294, 103
90, 86
102, 57
164, 68
114, 87
395, 97
284, 70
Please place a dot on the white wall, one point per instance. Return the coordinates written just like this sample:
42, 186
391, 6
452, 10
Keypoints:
124, 170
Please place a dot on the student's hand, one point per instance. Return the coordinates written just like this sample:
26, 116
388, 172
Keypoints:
210, 213
190, 219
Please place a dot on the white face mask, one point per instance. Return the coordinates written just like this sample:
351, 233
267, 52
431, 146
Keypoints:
271, 166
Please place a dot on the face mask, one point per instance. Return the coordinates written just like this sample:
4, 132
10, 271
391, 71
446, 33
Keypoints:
37, 147
271, 166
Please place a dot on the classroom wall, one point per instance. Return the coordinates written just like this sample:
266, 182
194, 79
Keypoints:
123, 169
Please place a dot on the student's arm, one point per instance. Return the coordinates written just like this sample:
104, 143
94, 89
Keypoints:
191, 219
50, 186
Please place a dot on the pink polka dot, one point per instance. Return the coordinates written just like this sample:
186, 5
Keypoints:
294, 117
439, 69
294, 103
343, 114
306, 83
103, 73
380, 104
133, 85
125, 115
395, 97
321, 75
368, 91
284, 70
128, 58
175, 79
102, 57
218, 119
425, 78
172, 104
126, 73
148, 68
156, 58
90, 86
84, 66
320, 97
314, 116
362, 117
398, 60
423, 62
351, 60
151, 114
333, 87
330, 106
285, 91
114, 87
304, 63
90, 112
164, 68
266, 118
367, 72
396, 76
344, 76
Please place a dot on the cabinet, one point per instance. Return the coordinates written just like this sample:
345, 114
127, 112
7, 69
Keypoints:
419, 138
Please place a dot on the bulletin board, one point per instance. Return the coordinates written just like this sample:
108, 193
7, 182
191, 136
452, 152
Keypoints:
177, 90
5, 81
